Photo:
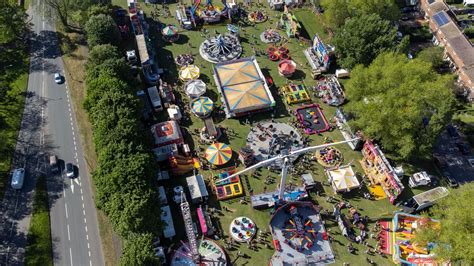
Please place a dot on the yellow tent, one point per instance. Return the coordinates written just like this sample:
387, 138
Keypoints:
189, 72
343, 178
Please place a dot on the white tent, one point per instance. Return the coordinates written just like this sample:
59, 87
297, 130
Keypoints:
197, 188
342, 179
195, 88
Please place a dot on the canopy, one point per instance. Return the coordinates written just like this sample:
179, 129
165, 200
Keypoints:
343, 179
202, 106
195, 88
218, 153
169, 30
189, 72
286, 67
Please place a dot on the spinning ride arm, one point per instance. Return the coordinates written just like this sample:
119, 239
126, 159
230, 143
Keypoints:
286, 158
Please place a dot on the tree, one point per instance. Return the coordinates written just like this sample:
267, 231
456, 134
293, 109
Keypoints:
67, 11
433, 55
337, 11
99, 53
13, 22
457, 227
402, 103
101, 29
138, 250
362, 38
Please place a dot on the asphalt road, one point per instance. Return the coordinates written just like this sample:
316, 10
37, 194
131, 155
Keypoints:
49, 127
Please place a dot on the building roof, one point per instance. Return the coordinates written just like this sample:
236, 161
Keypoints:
166, 133
450, 30
436, 6
168, 226
242, 86
463, 49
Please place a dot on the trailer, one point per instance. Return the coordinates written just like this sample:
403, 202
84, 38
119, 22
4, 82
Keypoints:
155, 98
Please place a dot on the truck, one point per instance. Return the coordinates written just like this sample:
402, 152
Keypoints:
424, 200
155, 98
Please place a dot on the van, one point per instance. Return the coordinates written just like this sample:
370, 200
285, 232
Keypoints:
18, 178
53, 164
155, 98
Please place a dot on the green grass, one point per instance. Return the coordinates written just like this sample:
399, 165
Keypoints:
11, 108
39, 250
189, 42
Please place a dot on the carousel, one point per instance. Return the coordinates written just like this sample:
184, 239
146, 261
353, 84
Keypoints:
270, 36
170, 33
202, 107
257, 17
268, 139
190, 72
221, 48
183, 60
329, 157
210, 253
218, 154
242, 229
195, 88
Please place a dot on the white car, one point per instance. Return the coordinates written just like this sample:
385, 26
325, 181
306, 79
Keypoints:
177, 194
69, 170
18, 178
58, 78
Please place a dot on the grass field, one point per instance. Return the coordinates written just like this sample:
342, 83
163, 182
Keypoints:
39, 250
14, 73
189, 43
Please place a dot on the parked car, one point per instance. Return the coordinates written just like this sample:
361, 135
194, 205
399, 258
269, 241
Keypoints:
18, 178
58, 78
451, 181
419, 179
69, 170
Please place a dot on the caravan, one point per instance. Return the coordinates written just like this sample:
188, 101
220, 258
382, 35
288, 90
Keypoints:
155, 98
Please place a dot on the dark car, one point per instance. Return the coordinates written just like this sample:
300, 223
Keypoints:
464, 147
452, 131
451, 181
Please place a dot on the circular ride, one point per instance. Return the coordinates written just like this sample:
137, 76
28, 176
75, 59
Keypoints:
184, 60
329, 157
170, 33
209, 251
269, 139
189, 72
242, 229
195, 88
286, 68
270, 36
202, 107
218, 154
257, 17
278, 53
221, 48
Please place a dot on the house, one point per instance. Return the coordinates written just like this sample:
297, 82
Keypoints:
458, 49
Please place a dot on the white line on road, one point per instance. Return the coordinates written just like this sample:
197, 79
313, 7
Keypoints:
68, 233
84, 212
83, 206
88, 246
75, 148
90, 262
65, 207
70, 254
89, 253
87, 237
86, 228
81, 190
82, 198
85, 220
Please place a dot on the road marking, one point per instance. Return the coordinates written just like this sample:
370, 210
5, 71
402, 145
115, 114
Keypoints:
73, 134
75, 148
83, 206
90, 262
68, 233
86, 228
90, 254
87, 237
82, 198
72, 186
88, 246
75, 154
70, 254
81, 193
84, 212
74, 142
85, 220
65, 206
